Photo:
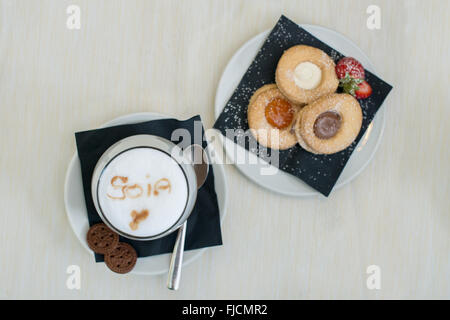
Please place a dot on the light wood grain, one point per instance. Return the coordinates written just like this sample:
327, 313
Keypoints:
168, 56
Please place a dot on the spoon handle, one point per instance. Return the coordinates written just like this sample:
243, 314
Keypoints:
173, 281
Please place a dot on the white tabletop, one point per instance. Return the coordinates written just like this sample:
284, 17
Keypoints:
168, 56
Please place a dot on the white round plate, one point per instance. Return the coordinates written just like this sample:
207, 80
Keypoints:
77, 214
283, 182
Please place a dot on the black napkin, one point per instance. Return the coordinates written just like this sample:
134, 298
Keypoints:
319, 171
203, 228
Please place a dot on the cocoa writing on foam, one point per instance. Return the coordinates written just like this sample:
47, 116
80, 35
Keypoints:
137, 217
143, 192
134, 191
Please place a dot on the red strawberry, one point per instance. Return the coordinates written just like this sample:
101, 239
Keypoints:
364, 91
358, 88
351, 66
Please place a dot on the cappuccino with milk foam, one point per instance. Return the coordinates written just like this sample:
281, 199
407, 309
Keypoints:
143, 192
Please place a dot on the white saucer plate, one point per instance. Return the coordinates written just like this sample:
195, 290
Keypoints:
77, 214
282, 182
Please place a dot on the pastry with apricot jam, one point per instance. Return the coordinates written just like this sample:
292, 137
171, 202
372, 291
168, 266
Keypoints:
271, 117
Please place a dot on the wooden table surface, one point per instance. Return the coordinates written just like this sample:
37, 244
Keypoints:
168, 56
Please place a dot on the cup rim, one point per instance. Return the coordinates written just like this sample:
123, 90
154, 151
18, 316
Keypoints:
153, 142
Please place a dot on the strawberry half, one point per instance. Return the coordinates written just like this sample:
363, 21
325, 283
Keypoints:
364, 91
351, 66
350, 85
358, 88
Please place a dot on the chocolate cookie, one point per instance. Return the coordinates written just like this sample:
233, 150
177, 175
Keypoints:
122, 258
101, 239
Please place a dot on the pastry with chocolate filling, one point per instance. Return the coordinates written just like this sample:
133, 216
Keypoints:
329, 124
271, 117
305, 73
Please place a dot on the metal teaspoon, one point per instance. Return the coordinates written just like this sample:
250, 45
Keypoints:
201, 171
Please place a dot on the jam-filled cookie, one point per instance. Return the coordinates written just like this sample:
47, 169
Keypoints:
329, 124
271, 117
305, 73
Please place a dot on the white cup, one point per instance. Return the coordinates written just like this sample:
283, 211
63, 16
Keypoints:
160, 144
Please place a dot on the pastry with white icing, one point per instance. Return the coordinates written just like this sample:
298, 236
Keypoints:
305, 73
